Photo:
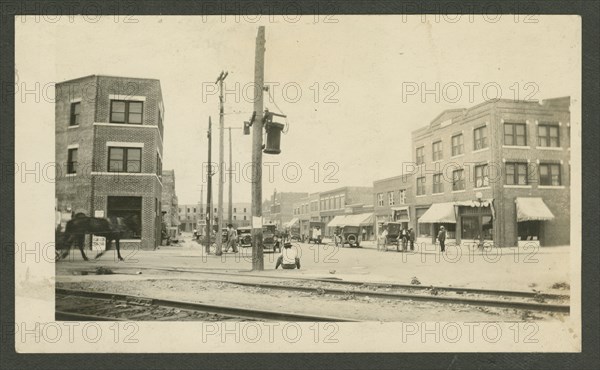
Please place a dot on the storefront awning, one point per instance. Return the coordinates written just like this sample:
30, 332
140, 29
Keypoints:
532, 209
337, 221
293, 222
362, 219
401, 214
439, 213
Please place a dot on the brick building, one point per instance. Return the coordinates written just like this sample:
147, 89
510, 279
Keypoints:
109, 141
340, 201
306, 210
498, 171
394, 200
189, 215
282, 207
169, 199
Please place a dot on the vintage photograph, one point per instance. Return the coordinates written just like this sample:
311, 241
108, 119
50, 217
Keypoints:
302, 182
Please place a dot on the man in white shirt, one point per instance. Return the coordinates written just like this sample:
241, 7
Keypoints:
288, 259
317, 234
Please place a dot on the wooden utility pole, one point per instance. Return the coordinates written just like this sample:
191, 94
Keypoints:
257, 132
230, 204
220, 80
209, 190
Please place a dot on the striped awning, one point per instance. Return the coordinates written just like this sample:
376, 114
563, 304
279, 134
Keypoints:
439, 213
532, 209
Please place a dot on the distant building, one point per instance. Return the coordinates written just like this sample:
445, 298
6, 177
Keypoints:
394, 200
109, 148
282, 207
169, 199
499, 171
343, 200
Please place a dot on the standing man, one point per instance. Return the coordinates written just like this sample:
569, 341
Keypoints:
317, 234
382, 240
364, 234
231, 239
442, 238
411, 237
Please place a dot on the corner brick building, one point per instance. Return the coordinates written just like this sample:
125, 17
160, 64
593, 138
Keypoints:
109, 142
498, 171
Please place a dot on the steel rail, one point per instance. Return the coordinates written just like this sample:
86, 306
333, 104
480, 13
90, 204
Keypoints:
221, 310
534, 306
491, 292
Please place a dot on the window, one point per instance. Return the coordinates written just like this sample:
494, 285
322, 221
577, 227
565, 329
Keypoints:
380, 199
128, 211
235, 218
235, 210
158, 166
482, 176
402, 196
548, 135
516, 174
458, 180
390, 198
438, 185
480, 138
75, 114
122, 111
194, 210
124, 159
244, 218
421, 186
72, 161
550, 174
457, 145
420, 155
437, 151
515, 134
188, 211
244, 210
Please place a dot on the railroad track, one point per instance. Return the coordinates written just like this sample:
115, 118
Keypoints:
82, 305
431, 295
534, 295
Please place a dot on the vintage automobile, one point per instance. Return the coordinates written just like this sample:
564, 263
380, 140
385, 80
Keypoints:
316, 225
271, 239
393, 229
245, 236
350, 235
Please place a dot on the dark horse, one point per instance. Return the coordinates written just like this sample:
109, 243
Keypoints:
112, 228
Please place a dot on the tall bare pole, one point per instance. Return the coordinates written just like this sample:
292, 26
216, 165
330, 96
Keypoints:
230, 204
221, 163
257, 132
209, 190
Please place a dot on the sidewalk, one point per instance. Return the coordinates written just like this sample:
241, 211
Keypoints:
511, 269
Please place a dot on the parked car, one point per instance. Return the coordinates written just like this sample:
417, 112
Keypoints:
245, 236
271, 239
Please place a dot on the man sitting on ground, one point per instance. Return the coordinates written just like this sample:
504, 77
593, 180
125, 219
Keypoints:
289, 258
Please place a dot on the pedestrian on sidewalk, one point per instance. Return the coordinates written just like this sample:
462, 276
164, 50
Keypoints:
231, 239
288, 259
411, 237
381, 241
442, 238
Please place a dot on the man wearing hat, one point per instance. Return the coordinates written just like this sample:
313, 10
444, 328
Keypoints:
289, 258
442, 238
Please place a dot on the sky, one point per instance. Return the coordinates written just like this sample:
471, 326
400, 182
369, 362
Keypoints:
351, 90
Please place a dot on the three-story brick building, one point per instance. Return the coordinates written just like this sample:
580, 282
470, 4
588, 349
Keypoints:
109, 142
497, 172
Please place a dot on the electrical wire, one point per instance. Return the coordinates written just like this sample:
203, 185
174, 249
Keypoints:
287, 125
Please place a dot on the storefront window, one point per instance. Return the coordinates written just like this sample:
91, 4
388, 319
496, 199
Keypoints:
474, 226
529, 230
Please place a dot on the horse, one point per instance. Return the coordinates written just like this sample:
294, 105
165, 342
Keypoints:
112, 228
